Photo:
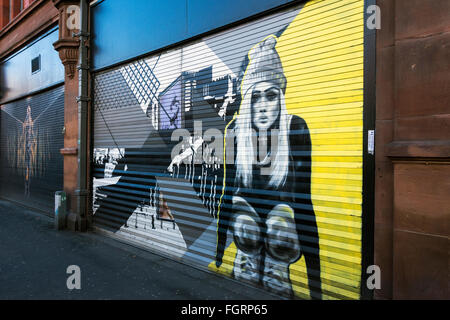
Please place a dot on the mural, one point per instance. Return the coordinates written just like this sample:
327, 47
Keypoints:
242, 152
170, 106
267, 231
30, 142
23, 150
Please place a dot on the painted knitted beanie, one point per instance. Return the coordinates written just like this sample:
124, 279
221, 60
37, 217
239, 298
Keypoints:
264, 65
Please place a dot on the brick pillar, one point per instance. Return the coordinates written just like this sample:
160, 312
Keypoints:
412, 204
384, 175
67, 46
4, 13
26, 3
15, 8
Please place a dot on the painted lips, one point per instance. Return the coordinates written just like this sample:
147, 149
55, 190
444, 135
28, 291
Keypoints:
263, 119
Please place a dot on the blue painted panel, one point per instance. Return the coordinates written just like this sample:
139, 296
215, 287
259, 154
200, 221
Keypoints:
16, 76
123, 29
206, 15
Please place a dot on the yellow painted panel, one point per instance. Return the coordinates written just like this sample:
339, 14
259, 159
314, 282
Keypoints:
299, 103
331, 72
319, 52
322, 52
328, 64
301, 81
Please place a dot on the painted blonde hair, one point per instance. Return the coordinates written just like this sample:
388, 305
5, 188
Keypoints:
245, 154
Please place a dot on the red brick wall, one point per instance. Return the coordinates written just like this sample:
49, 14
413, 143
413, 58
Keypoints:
412, 186
27, 26
10, 9
26, 3
4, 13
15, 8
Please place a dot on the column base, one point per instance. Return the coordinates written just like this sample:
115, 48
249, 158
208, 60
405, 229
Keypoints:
76, 222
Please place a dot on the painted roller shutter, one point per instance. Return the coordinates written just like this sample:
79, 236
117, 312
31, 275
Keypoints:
298, 235
30, 142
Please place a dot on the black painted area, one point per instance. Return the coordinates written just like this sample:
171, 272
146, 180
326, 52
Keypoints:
368, 159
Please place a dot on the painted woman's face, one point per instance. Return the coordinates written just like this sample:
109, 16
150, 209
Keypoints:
265, 104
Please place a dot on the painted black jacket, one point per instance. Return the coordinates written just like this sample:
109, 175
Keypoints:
296, 193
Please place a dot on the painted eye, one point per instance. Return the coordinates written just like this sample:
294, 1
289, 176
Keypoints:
256, 97
272, 95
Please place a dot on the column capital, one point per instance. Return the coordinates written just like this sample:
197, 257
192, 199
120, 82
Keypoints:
68, 53
67, 44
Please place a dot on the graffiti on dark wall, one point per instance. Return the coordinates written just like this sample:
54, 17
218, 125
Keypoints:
28, 148
240, 157
30, 143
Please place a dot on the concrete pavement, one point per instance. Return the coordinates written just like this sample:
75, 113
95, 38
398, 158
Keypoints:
34, 258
